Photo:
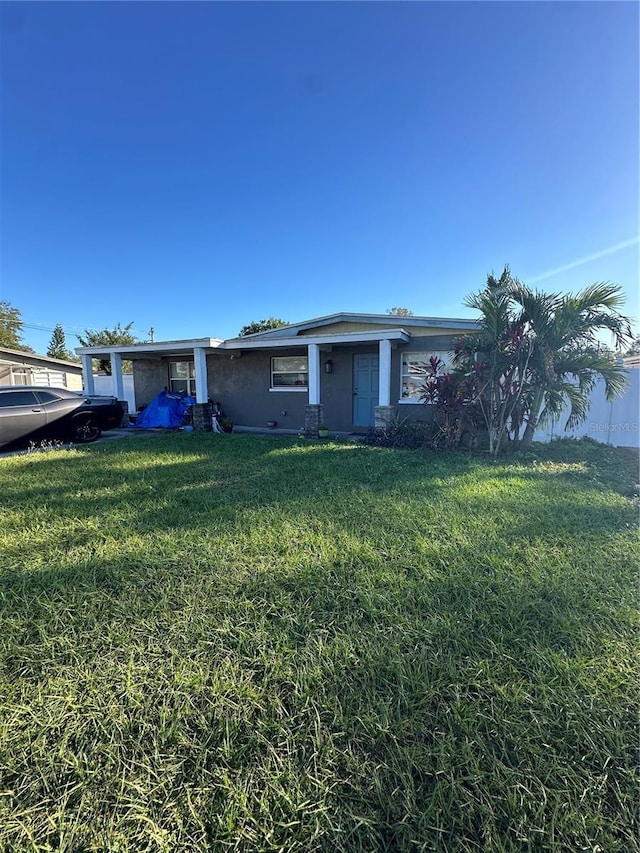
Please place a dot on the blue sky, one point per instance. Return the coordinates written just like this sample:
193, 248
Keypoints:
195, 166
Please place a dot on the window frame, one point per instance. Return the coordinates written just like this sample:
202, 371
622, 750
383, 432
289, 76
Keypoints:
42, 395
288, 388
425, 355
22, 372
190, 379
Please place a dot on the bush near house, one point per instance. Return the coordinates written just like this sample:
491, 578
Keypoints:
264, 644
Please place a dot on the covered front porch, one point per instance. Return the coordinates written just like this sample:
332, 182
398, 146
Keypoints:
242, 374
188, 352
331, 389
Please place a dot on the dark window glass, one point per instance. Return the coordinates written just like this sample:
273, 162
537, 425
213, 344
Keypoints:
47, 396
18, 398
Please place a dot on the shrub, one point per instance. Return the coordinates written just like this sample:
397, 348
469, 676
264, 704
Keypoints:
401, 432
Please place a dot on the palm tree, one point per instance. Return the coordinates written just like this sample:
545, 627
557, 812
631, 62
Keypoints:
496, 359
567, 359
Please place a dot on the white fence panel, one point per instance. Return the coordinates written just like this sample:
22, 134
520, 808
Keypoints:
107, 385
616, 423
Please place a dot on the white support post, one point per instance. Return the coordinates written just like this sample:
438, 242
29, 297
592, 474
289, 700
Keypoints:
384, 380
314, 374
117, 382
87, 375
200, 363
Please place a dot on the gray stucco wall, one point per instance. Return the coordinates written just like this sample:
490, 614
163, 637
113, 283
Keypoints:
240, 383
150, 376
241, 386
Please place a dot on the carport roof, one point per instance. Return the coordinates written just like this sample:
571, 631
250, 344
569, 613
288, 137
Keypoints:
144, 350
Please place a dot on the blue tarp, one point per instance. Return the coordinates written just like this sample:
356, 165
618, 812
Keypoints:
165, 410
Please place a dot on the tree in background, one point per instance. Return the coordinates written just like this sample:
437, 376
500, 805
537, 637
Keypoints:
400, 312
261, 326
118, 336
58, 345
11, 326
634, 349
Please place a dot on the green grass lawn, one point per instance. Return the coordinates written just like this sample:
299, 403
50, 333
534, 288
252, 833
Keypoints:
261, 644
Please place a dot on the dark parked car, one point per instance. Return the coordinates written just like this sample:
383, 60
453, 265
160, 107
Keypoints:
29, 413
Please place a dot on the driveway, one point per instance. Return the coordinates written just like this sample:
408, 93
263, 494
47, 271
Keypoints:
109, 435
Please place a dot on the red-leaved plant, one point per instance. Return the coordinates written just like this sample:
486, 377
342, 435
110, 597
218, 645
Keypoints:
453, 410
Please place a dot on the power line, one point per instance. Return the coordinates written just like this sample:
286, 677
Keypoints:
40, 327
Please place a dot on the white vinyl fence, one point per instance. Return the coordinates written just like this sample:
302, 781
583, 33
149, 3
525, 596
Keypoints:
107, 385
616, 423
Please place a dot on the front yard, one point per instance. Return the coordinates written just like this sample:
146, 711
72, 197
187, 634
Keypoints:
260, 644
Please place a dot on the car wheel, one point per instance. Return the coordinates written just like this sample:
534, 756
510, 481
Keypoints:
86, 430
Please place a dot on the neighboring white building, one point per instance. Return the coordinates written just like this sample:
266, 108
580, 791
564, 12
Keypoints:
28, 368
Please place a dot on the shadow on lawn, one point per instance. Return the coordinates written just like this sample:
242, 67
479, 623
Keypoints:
465, 685
222, 486
459, 668
434, 685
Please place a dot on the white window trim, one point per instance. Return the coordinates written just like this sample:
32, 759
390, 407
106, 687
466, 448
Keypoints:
287, 388
191, 380
23, 372
413, 401
294, 388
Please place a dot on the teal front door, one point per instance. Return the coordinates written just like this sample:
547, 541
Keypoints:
365, 389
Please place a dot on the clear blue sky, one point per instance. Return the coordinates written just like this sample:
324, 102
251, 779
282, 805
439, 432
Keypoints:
194, 166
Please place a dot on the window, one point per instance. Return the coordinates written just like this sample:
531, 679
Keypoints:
290, 372
18, 398
415, 369
182, 377
21, 376
47, 396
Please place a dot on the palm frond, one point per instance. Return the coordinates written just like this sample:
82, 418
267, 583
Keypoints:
537, 308
587, 366
557, 399
580, 316
603, 294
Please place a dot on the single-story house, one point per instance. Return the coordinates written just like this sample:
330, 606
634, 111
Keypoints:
27, 368
348, 371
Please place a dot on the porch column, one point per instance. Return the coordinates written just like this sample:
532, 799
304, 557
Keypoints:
87, 375
200, 362
117, 383
314, 411
384, 382
384, 409
314, 374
